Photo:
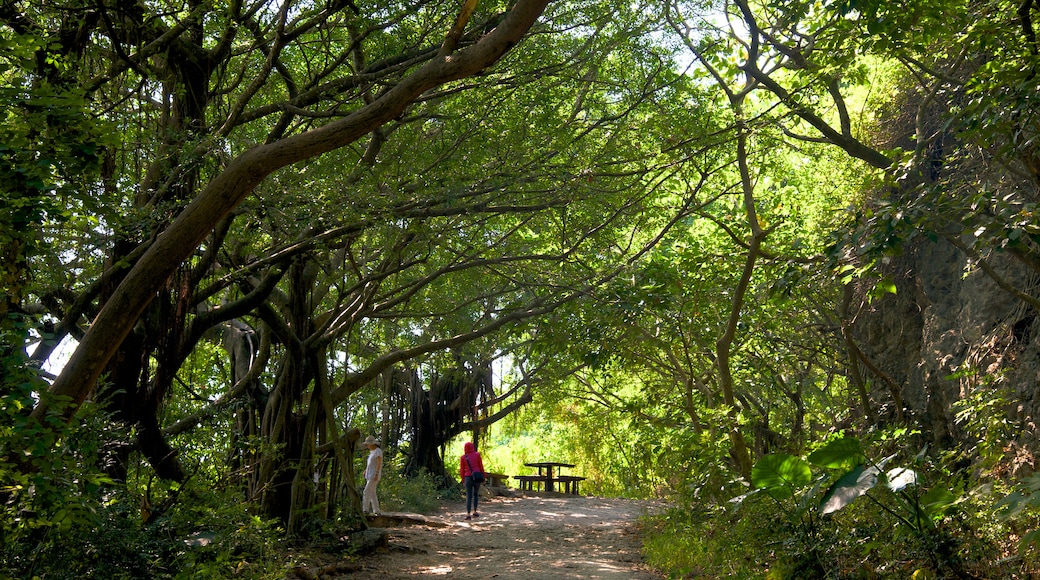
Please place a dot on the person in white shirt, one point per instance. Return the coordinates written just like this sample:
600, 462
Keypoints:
373, 473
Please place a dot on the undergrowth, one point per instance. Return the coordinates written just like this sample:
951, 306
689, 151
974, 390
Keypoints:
765, 538
420, 494
208, 532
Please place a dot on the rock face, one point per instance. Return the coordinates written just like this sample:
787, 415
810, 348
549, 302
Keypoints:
951, 332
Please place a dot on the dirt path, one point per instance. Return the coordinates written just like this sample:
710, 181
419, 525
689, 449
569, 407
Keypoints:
520, 538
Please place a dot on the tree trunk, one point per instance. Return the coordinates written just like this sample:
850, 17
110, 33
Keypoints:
725, 342
435, 420
855, 375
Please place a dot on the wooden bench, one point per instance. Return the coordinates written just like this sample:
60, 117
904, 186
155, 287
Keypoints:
570, 483
527, 481
496, 479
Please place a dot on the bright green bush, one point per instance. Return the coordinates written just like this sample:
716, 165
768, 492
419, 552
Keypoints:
706, 542
398, 493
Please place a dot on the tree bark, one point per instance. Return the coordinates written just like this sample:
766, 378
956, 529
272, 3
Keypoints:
722, 347
855, 376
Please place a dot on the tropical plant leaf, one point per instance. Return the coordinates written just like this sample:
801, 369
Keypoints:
881, 464
1018, 502
935, 501
839, 453
780, 474
809, 498
1011, 506
1032, 482
850, 486
900, 477
1028, 540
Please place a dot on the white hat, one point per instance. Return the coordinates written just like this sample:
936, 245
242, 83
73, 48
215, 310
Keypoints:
370, 440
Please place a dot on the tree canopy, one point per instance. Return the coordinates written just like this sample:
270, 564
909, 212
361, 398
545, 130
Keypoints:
786, 243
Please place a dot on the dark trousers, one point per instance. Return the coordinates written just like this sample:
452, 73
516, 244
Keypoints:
471, 493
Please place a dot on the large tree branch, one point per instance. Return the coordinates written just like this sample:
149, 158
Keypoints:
842, 138
525, 398
354, 382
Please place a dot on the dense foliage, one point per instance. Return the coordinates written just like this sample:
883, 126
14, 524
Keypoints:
684, 244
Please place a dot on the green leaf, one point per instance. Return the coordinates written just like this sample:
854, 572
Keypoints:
780, 474
936, 500
1028, 540
1012, 506
850, 486
887, 285
838, 453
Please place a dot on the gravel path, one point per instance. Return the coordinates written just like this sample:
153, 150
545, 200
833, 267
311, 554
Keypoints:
521, 538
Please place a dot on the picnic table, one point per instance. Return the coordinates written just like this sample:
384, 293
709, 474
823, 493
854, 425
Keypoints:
550, 473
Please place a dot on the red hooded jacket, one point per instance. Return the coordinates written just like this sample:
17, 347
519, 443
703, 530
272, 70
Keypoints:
471, 454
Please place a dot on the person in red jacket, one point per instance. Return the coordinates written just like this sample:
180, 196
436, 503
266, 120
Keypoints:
469, 464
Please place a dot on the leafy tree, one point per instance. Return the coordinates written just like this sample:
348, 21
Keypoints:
483, 235
179, 76
230, 186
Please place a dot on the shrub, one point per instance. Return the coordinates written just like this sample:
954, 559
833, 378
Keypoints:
839, 515
420, 494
